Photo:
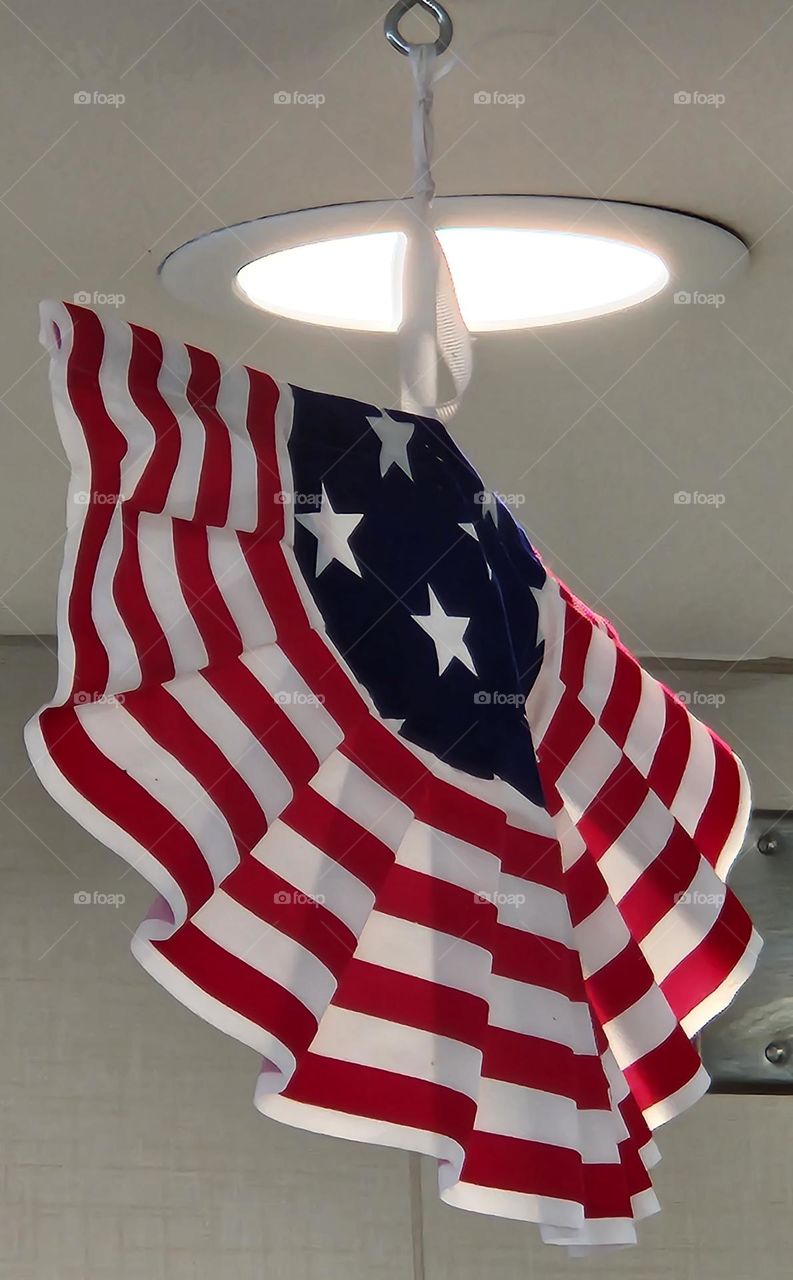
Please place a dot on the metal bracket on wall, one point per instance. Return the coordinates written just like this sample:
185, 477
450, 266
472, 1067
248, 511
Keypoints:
749, 1048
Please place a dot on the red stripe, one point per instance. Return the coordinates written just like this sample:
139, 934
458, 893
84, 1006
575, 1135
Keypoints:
262, 891
151, 491
262, 404
654, 893
202, 595
623, 700
541, 962
534, 858
547, 1066
664, 1070
620, 983
613, 808
154, 654
569, 729
167, 722
436, 904
413, 1002
671, 754
106, 447
114, 793
704, 969
585, 889
515, 1164
240, 987
382, 1095
339, 837
214, 485
269, 724
723, 805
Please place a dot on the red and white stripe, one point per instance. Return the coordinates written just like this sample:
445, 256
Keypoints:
423, 959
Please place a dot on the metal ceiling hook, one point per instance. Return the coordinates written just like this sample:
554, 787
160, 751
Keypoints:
397, 12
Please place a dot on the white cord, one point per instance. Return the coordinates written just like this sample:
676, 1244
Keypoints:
432, 323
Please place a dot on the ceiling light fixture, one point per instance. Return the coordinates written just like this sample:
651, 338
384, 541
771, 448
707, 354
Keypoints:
517, 261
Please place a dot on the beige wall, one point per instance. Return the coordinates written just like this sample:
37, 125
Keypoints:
130, 1149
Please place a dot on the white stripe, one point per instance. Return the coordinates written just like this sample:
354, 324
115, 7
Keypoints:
601, 937
444, 857
134, 426
240, 933
300, 704
660, 1112
638, 846
284, 414
534, 908
600, 667
536, 1011
501, 1203
641, 1028
245, 754
547, 690
235, 583
696, 784
584, 777
313, 873
164, 591
232, 408
348, 788
645, 732
172, 385
118, 736
535, 1116
124, 668
406, 947
687, 923
349, 1036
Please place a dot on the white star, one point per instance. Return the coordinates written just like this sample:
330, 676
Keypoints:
332, 531
446, 632
394, 438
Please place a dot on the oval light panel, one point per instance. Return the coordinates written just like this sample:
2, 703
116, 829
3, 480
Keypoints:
505, 277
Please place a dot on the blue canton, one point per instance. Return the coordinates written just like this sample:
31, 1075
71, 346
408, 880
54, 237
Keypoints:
423, 579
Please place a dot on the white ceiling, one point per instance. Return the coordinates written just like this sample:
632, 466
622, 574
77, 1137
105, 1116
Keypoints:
597, 423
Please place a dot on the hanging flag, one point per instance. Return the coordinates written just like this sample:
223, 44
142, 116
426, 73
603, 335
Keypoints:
424, 833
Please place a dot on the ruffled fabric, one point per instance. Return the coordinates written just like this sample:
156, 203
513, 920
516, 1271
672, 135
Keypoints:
423, 959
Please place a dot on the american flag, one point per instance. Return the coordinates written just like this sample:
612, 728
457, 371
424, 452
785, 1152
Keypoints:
424, 834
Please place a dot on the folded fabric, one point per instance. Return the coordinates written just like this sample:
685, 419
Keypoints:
424, 833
